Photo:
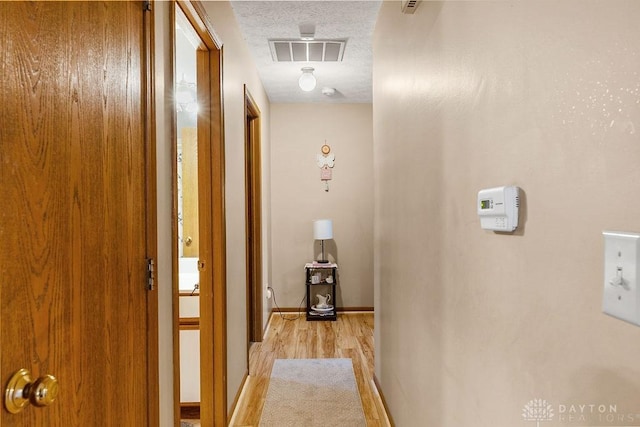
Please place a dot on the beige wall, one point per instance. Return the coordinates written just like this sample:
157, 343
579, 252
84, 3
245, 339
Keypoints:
472, 325
239, 70
298, 131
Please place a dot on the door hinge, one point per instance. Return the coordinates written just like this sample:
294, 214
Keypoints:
146, 5
151, 274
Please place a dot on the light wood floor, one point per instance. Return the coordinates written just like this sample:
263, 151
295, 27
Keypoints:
351, 336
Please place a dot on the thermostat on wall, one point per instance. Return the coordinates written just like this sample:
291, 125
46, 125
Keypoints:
498, 208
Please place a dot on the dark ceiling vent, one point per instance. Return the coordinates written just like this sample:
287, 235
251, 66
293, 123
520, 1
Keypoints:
410, 6
307, 50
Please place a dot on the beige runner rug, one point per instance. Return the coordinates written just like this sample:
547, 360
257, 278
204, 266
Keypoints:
312, 392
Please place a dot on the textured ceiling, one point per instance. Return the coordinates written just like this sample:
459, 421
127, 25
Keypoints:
351, 20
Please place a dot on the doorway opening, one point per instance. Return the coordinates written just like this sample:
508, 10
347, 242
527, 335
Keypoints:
199, 263
253, 183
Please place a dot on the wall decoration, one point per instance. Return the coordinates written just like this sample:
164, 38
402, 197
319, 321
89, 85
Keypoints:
325, 162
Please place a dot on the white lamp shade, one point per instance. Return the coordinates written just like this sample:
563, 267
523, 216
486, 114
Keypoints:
323, 229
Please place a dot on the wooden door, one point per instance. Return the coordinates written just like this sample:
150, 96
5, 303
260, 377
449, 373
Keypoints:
73, 244
189, 181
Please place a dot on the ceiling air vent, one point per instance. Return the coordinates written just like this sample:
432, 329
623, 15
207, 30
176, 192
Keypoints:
410, 6
307, 50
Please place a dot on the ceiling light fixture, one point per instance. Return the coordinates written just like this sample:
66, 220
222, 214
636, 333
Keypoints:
185, 96
307, 81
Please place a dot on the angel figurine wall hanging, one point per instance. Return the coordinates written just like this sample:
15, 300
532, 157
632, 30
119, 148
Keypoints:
325, 162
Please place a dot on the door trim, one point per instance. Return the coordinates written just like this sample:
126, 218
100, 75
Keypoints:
253, 184
153, 364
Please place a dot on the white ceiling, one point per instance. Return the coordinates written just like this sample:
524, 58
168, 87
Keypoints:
352, 20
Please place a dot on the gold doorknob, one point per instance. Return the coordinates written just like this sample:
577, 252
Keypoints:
22, 390
188, 241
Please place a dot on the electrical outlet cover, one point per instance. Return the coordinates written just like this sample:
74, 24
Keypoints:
621, 298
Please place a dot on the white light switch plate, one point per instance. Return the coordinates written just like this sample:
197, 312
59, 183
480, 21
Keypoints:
620, 297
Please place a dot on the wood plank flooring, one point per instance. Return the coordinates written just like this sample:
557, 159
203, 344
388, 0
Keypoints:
351, 336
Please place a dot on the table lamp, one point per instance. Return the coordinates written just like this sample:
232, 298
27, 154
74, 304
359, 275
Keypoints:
323, 230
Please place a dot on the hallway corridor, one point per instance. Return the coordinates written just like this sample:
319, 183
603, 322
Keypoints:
351, 336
